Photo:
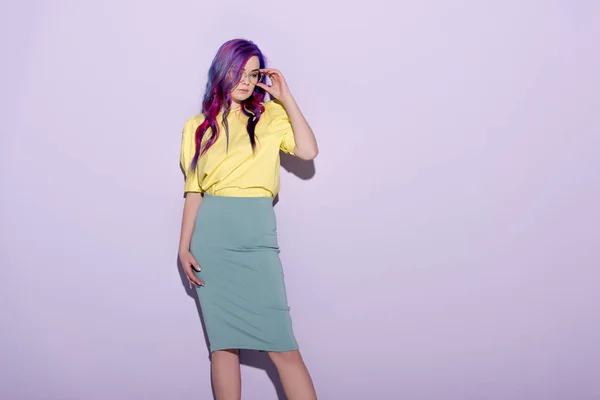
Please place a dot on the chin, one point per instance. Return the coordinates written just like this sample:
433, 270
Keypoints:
239, 97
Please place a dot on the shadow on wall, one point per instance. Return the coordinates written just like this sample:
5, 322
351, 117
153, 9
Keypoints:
304, 170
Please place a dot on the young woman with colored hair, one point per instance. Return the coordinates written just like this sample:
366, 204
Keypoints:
228, 244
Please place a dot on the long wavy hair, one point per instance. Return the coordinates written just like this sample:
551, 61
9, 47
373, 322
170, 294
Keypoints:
224, 74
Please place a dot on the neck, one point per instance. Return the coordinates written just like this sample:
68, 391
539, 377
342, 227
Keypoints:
235, 105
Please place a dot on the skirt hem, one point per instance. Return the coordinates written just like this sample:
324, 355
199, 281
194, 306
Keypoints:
257, 348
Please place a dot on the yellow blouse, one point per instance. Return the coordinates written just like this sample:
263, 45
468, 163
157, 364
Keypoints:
236, 171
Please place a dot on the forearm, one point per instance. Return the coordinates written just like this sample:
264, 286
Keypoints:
190, 209
306, 143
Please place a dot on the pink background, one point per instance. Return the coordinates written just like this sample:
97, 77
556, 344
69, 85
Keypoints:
443, 246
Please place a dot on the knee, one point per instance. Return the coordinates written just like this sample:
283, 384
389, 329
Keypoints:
285, 357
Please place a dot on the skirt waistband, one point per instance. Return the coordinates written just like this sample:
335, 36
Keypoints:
240, 192
237, 199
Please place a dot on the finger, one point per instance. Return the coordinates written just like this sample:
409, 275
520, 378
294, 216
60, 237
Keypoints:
276, 79
263, 86
194, 264
192, 284
265, 74
192, 276
195, 280
270, 72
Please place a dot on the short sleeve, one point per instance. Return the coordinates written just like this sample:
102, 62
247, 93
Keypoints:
281, 125
187, 154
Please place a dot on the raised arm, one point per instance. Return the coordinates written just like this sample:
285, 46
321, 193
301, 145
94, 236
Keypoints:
306, 143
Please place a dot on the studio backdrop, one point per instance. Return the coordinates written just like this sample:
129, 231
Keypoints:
443, 245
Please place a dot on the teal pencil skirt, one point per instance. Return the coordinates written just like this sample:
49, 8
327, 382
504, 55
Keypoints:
243, 301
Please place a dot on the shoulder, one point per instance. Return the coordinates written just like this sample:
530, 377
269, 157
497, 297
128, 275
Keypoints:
195, 120
192, 123
275, 117
274, 109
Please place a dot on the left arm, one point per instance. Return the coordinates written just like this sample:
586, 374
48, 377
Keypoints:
306, 144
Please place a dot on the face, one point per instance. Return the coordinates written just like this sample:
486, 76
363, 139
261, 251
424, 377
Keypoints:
250, 76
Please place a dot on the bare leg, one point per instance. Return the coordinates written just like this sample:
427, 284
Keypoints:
294, 375
226, 377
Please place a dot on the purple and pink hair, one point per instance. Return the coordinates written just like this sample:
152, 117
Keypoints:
224, 74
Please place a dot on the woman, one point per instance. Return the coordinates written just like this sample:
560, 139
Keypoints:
228, 245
